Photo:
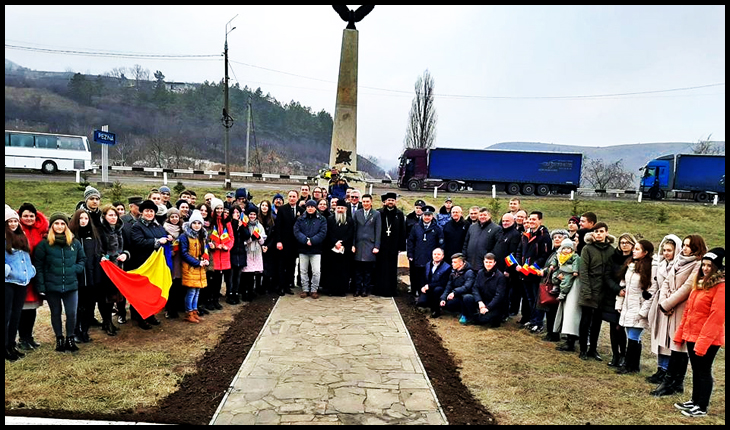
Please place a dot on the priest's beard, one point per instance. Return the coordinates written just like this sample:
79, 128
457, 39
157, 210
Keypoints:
341, 218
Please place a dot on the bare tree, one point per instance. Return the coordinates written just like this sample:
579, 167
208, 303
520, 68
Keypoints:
139, 73
601, 175
707, 146
117, 72
421, 130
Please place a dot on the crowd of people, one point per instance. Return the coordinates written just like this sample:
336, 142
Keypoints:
563, 283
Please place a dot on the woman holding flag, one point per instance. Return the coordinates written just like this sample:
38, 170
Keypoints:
112, 248
147, 236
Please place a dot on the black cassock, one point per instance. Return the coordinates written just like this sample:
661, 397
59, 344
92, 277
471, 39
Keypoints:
335, 266
392, 241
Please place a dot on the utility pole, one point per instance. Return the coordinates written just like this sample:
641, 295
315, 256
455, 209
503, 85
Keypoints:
227, 119
248, 130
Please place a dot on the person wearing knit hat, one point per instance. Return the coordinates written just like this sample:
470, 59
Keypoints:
55, 258
165, 192
91, 192
573, 227
703, 330
196, 216
10, 213
215, 202
19, 271
716, 256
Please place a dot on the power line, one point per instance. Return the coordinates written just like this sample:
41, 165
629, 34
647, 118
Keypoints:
112, 54
409, 93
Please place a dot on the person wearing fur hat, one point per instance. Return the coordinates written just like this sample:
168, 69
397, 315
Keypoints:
147, 236
673, 295
222, 236
596, 288
35, 226
703, 329
667, 250
58, 261
19, 271
194, 252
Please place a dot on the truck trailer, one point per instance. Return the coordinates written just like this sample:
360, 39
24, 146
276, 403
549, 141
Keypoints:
526, 172
685, 176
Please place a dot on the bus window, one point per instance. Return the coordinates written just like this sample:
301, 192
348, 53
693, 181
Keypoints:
45, 142
22, 141
71, 143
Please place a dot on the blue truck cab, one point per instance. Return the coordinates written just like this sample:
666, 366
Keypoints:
685, 176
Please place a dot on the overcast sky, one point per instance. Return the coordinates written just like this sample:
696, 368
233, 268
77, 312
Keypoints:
502, 73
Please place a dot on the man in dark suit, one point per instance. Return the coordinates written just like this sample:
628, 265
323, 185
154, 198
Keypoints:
436, 277
367, 244
286, 243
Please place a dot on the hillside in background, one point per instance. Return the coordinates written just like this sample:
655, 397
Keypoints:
173, 125
634, 156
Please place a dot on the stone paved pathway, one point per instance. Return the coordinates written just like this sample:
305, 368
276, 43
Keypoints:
334, 360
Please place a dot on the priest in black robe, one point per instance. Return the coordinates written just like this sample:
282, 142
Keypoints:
337, 252
392, 242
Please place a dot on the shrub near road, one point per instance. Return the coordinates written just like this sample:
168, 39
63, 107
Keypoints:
516, 376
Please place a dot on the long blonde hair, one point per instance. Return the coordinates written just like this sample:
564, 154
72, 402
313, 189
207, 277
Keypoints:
67, 232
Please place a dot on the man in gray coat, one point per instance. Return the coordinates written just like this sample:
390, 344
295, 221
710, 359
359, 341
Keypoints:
366, 244
480, 238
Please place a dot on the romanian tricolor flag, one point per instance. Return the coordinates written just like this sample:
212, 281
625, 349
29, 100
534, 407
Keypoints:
256, 234
532, 269
146, 287
510, 260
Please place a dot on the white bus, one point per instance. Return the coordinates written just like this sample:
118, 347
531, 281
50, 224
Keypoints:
48, 152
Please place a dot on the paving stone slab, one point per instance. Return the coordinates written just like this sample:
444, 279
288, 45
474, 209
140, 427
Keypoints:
334, 360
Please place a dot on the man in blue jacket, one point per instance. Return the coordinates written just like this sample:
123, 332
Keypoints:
487, 303
436, 278
422, 240
310, 230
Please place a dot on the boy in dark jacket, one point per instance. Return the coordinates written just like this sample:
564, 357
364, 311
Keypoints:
487, 303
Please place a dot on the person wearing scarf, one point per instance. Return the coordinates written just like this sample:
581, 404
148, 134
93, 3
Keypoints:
175, 301
673, 295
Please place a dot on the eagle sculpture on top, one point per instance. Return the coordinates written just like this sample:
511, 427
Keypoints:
352, 16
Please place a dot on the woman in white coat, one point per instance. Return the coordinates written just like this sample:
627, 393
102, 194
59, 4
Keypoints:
669, 247
673, 295
635, 300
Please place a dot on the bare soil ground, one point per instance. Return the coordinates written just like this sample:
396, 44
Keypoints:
200, 392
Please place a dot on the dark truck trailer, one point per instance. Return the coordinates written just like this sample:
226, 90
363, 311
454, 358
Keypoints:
685, 176
514, 172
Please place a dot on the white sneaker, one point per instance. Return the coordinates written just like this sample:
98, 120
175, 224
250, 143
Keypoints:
685, 406
694, 412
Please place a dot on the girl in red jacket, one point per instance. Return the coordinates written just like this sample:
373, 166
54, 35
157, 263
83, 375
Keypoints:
703, 328
221, 234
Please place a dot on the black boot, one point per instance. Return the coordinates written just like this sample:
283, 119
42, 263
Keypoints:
14, 350
10, 355
674, 379
109, 328
60, 344
633, 358
657, 377
616, 360
71, 344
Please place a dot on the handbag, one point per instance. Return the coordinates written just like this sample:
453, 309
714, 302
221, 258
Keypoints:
546, 298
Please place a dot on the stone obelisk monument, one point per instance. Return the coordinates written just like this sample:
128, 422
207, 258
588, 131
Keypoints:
343, 152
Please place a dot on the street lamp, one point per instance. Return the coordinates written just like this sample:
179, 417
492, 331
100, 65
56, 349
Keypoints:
227, 119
